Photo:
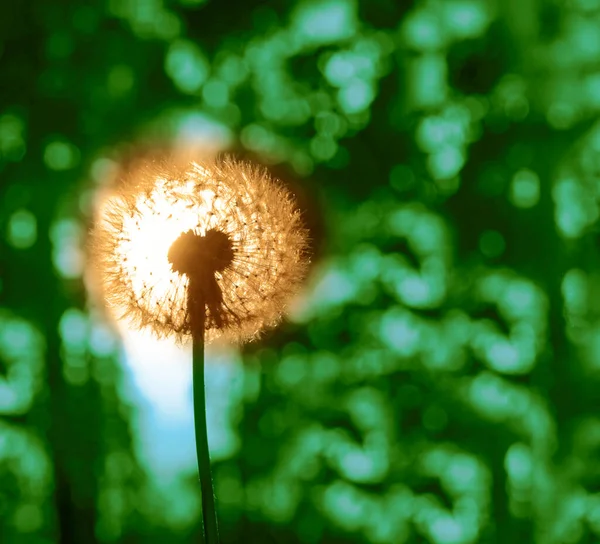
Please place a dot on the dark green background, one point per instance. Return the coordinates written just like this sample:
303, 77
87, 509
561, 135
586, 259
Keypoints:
440, 381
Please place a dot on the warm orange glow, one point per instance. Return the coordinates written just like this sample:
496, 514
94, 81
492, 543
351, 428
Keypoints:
138, 224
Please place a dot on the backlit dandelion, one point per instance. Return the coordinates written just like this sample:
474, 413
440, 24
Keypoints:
239, 229
202, 249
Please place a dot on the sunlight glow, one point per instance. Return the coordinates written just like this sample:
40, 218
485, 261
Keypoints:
139, 224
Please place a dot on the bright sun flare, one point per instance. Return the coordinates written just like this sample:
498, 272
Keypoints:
140, 222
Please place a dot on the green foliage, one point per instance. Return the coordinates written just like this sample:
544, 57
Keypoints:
437, 382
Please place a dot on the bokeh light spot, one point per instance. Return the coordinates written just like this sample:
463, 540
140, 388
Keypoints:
356, 96
187, 66
325, 21
61, 155
12, 137
525, 189
215, 93
22, 229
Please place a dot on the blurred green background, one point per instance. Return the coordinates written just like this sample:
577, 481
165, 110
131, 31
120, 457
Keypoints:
439, 382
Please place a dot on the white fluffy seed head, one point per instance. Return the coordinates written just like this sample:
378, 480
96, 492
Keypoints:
157, 202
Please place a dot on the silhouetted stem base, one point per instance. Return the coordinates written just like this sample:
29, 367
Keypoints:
209, 512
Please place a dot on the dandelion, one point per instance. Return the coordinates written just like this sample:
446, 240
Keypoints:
226, 222
202, 249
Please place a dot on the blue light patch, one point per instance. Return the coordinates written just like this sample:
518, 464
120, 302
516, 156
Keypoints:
574, 211
401, 332
67, 256
73, 328
446, 163
465, 19
345, 505
505, 357
519, 465
21, 352
357, 96
345, 66
421, 30
447, 530
187, 66
323, 22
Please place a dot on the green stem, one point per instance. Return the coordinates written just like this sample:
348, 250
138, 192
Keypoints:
209, 513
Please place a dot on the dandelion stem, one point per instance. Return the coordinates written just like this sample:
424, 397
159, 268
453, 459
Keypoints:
209, 513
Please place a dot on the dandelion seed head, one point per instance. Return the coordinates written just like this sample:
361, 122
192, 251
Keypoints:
225, 220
